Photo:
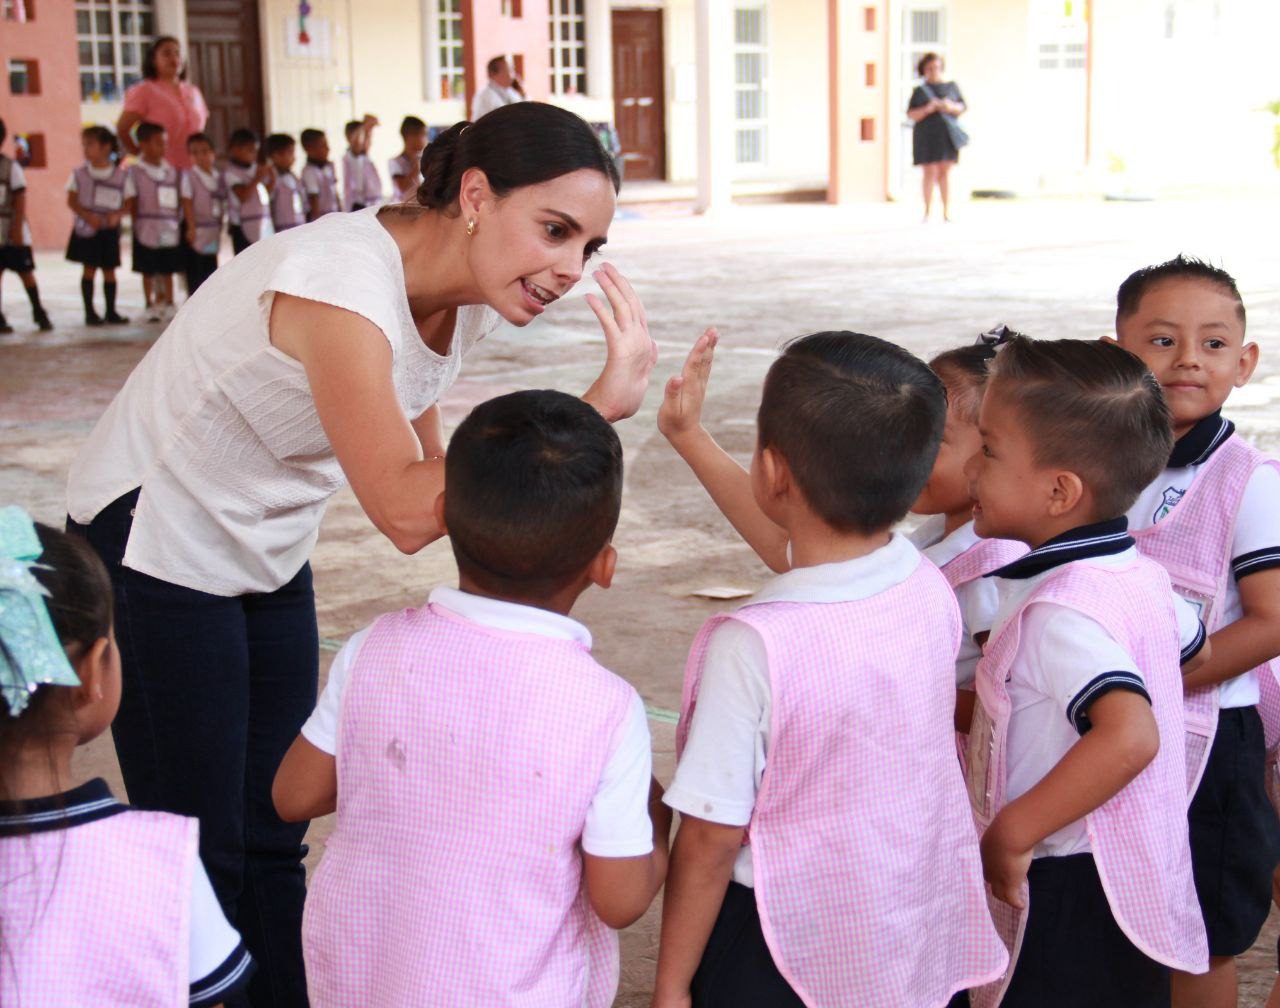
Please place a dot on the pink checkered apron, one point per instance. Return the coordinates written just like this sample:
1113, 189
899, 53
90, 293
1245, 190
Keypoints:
867, 874
1193, 543
980, 559
288, 202
209, 207
98, 914
158, 210
1139, 837
102, 196
467, 760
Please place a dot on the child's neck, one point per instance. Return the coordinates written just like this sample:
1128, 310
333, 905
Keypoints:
157, 163
100, 163
561, 602
813, 542
38, 771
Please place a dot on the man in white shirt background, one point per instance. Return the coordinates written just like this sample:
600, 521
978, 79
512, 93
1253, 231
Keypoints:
503, 89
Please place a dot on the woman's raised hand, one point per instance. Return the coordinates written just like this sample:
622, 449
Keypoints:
681, 410
631, 352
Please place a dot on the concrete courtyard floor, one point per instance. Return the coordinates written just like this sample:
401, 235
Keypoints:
762, 274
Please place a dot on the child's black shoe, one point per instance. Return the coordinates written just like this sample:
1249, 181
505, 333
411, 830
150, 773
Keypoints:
42, 320
113, 317
92, 318
4, 326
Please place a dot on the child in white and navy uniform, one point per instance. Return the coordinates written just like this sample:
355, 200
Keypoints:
1213, 518
15, 237
492, 782
288, 208
319, 182
152, 198
249, 203
204, 207
824, 826
361, 186
101, 904
1076, 756
405, 168
95, 194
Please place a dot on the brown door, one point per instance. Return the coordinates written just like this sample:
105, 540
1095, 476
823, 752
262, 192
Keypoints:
639, 107
225, 61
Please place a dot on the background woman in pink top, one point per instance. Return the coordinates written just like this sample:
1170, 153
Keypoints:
165, 97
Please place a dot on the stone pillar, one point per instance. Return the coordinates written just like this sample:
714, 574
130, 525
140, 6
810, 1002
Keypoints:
714, 49
171, 19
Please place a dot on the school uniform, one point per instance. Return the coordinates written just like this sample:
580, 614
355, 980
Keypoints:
404, 164
361, 186
466, 796
1080, 616
248, 219
16, 257
1212, 518
100, 191
288, 208
820, 716
157, 218
109, 906
209, 197
319, 180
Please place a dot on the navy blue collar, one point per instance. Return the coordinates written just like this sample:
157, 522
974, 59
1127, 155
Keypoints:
1197, 444
1104, 538
80, 805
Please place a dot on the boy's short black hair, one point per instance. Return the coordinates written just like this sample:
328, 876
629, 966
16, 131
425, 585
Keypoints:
278, 142
858, 421
196, 138
1093, 408
411, 124
533, 490
309, 137
351, 127
1180, 267
242, 137
147, 130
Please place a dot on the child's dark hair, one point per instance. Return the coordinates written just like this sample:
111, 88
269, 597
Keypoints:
1180, 267
1091, 407
277, 143
102, 135
147, 130
4, 132
242, 137
515, 146
198, 138
351, 127
858, 421
310, 137
534, 487
964, 372
411, 124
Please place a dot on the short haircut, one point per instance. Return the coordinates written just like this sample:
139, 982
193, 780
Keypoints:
309, 137
925, 60
278, 142
1091, 407
147, 130
351, 127
411, 124
242, 137
964, 372
494, 65
858, 421
1180, 267
198, 138
533, 490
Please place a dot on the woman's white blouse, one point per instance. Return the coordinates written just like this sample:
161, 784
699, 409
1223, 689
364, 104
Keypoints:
219, 428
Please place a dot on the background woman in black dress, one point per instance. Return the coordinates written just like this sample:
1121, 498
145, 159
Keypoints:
932, 146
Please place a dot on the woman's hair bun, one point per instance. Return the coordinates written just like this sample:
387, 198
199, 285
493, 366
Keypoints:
436, 165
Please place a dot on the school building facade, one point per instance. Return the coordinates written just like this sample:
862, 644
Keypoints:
733, 95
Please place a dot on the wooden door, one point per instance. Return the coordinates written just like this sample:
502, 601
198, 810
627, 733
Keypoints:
639, 104
224, 57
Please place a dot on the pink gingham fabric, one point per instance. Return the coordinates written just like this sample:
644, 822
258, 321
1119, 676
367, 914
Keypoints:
98, 914
467, 760
867, 874
1139, 837
1193, 543
981, 558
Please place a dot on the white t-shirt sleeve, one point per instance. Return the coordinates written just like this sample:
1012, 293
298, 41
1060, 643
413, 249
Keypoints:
1191, 632
17, 180
321, 728
73, 185
184, 187
1257, 535
723, 760
311, 181
1071, 659
618, 823
978, 600
130, 189
218, 960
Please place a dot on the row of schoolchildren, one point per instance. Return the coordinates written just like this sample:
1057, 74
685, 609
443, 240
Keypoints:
178, 217
497, 816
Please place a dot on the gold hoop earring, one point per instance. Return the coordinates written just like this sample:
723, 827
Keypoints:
471, 227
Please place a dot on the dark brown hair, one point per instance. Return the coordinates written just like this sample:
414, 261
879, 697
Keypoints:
858, 421
1180, 267
149, 58
964, 372
925, 60
1091, 407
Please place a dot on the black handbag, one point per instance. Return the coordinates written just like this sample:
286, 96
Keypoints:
954, 130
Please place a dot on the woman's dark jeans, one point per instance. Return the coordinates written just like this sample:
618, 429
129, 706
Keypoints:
214, 692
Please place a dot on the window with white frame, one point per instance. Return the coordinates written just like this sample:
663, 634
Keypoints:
112, 36
567, 22
750, 83
451, 80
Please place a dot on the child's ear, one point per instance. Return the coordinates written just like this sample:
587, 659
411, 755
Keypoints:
1248, 362
1109, 339
603, 567
776, 473
91, 669
1065, 493
437, 509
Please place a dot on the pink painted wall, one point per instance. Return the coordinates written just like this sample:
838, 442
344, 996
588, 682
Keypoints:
488, 32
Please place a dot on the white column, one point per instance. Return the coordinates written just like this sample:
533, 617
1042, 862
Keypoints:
599, 51
171, 19
714, 45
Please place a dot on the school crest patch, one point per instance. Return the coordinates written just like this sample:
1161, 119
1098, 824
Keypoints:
1170, 500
